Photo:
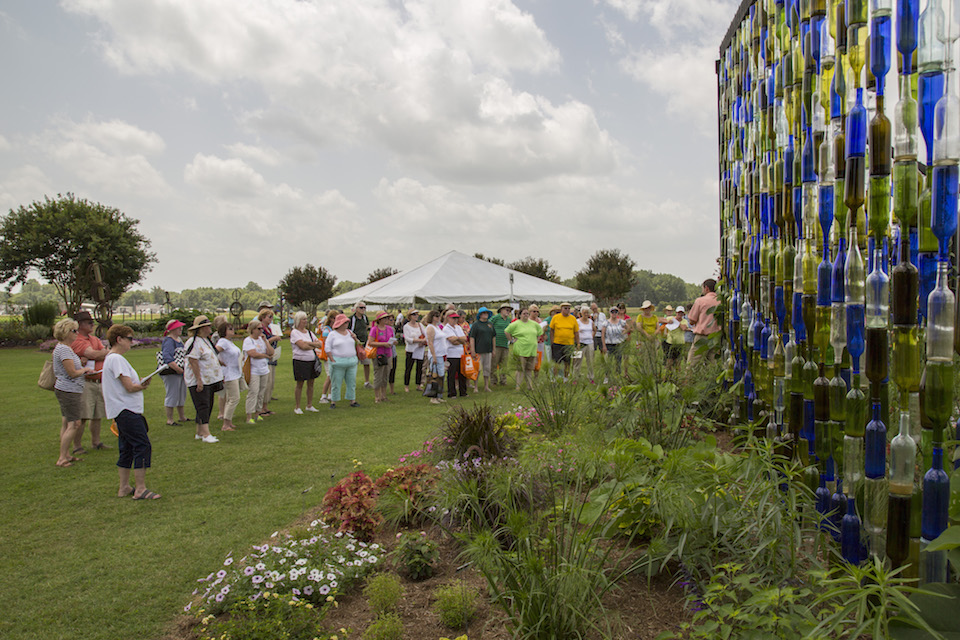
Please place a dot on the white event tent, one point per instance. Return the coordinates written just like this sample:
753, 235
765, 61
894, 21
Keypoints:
456, 277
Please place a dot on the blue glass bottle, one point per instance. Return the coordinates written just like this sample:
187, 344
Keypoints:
934, 519
908, 16
875, 463
823, 504
851, 544
838, 508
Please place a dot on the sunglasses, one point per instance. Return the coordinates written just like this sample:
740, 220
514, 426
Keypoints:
74, 331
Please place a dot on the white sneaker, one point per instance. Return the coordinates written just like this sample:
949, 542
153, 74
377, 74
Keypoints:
209, 439
324, 399
313, 409
299, 411
196, 436
367, 385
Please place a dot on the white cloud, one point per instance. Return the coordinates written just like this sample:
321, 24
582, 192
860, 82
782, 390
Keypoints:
110, 155
231, 178
263, 155
429, 80
5, 144
672, 18
24, 185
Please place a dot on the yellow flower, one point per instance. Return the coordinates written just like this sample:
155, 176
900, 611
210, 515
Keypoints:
309, 606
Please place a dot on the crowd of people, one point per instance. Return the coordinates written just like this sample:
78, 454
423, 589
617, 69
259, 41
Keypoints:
446, 355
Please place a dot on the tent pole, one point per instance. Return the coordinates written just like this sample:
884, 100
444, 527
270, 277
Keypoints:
511, 288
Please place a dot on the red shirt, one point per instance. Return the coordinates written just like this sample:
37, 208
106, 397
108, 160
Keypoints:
81, 344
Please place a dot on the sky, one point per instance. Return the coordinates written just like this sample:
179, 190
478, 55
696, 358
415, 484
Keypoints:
252, 136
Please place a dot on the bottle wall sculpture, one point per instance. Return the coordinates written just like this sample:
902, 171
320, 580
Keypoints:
839, 165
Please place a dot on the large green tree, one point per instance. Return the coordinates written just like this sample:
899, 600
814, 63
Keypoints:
60, 238
307, 286
537, 267
608, 275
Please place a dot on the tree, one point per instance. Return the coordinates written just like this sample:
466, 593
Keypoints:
346, 285
608, 275
61, 238
380, 274
489, 259
537, 267
307, 286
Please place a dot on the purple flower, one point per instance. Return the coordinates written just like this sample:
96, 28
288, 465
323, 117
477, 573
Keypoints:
248, 571
221, 574
219, 597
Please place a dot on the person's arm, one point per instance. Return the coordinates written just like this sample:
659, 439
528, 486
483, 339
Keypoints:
603, 338
431, 334
195, 367
326, 347
72, 370
95, 354
133, 387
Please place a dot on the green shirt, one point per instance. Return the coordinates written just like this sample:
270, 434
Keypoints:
483, 335
526, 334
499, 323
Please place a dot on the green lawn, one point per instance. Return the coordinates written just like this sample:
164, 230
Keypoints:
82, 563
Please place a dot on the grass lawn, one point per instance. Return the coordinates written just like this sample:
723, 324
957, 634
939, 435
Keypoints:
82, 563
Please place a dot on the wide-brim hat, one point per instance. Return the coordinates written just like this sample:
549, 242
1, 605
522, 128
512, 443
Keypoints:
381, 316
413, 312
340, 320
173, 324
505, 305
554, 308
200, 321
565, 304
264, 305
484, 310
669, 307
646, 304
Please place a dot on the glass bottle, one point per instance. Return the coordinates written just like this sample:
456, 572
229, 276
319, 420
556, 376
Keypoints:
875, 444
854, 290
877, 315
851, 544
934, 518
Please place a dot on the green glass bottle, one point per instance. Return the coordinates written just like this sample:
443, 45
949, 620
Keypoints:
856, 423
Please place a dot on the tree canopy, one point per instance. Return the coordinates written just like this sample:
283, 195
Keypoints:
537, 267
60, 238
380, 274
608, 275
660, 288
307, 286
496, 261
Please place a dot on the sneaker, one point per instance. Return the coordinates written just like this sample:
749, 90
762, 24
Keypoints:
250, 421
298, 411
196, 436
367, 385
354, 404
333, 405
324, 399
210, 439
313, 409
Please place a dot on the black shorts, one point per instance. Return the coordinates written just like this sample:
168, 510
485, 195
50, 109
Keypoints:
134, 444
304, 370
561, 352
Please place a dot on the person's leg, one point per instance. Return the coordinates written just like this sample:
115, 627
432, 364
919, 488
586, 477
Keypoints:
366, 373
232, 394
351, 380
221, 403
181, 397
310, 393
461, 382
419, 375
588, 356
125, 488
337, 371
67, 433
452, 372
203, 411
169, 412
407, 368
297, 392
393, 373
253, 397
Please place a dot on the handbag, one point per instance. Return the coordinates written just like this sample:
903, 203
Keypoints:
179, 355
47, 377
470, 366
321, 351
432, 389
370, 353
536, 367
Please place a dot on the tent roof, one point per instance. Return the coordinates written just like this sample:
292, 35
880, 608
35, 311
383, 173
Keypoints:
456, 277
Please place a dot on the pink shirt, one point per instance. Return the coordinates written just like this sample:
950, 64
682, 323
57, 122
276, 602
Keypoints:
705, 322
378, 334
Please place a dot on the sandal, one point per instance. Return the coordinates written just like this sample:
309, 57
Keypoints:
147, 495
173, 424
100, 446
79, 451
65, 464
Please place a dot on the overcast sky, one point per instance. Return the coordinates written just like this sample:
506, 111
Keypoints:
251, 136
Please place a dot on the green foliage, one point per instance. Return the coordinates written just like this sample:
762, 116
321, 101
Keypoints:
660, 288
37, 332
455, 604
185, 316
739, 604
43, 313
350, 504
387, 627
383, 593
498, 261
561, 407
608, 275
273, 617
405, 492
380, 274
536, 267
141, 327
416, 555
61, 238
474, 431
307, 286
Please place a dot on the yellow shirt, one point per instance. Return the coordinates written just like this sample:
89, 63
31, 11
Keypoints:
649, 325
564, 329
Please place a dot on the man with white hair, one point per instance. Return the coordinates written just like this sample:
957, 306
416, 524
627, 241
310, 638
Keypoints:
360, 326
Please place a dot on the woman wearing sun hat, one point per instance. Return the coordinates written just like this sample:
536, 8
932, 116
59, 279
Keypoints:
259, 350
647, 320
381, 337
674, 330
415, 342
202, 374
171, 350
341, 347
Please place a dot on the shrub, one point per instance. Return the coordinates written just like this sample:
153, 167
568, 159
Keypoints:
11, 328
475, 431
416, 555
185, 316
142, 326
388, 627
456, 605
383, 592
558, 406
405, 492
349, 505
41, 313
37, 332
267, 618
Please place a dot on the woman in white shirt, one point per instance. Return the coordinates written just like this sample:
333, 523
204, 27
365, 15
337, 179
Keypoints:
259, 351
437, 348
456, 338
202, 374
123, 400
415, 346
586, 331
341, 347
229, 355
306, 364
